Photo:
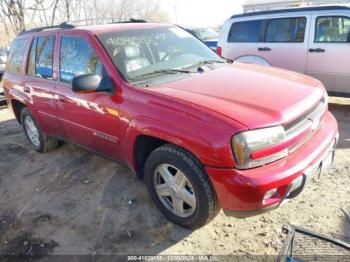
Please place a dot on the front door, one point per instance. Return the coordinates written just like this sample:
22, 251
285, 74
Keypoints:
284, 43
328, 54
88, 119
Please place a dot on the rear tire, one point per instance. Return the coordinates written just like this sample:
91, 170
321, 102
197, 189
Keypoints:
191, 203
40, 142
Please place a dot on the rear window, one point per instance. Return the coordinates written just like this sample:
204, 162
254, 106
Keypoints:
16, 55
248, 31
286, 30
40, 62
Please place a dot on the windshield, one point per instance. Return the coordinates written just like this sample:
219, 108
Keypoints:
206, 34
139, 53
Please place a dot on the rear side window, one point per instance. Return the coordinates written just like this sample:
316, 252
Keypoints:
332, 29
290, 30
40, 62
248, 31
77, 57
16, 55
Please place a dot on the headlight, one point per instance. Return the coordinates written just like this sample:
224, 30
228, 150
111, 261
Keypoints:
258, 147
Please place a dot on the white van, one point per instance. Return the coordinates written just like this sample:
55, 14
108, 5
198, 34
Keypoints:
311, 40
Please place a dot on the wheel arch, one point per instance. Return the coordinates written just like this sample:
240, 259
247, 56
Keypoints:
252, 59
17, 107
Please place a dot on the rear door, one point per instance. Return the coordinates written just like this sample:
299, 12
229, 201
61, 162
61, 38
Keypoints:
284, 42
39, 83
329, 49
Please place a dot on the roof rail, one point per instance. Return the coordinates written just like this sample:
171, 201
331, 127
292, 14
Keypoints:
291, 10
131, 20
63, 25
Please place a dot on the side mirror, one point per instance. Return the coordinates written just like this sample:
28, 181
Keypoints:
86, 83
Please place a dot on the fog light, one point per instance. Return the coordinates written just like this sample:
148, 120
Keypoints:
270, 193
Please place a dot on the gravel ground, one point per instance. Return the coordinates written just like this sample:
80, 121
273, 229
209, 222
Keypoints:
73, 202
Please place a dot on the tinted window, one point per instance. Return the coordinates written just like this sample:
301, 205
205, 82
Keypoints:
248, 31
15, 58
286, 30
44, 57
332, 29
40, 62
77, 57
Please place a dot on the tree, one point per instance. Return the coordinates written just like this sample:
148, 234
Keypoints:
17, 15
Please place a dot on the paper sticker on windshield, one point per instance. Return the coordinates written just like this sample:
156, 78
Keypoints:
180, 32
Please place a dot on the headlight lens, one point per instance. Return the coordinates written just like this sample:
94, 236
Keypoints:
245, 143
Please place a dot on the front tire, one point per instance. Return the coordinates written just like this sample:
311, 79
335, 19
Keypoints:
40, 142
180, 187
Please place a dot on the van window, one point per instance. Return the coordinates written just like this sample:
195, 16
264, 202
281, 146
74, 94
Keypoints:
40, 61
332, 29
248, 31
286, 30
16, 55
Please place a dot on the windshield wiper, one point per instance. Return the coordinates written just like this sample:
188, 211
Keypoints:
167, 71
205, 62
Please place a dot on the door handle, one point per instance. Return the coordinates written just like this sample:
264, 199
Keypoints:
61, 99
26, 89
317, 50
264, 49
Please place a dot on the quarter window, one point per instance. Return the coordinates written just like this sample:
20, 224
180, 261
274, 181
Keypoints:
77, 57
290, 30
16, 56
332, 29
248, 31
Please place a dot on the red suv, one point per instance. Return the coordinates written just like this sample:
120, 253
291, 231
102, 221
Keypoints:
202, 132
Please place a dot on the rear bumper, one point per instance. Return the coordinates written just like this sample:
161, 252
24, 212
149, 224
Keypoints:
241, 192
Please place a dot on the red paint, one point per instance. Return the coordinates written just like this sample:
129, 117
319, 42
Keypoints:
200, 113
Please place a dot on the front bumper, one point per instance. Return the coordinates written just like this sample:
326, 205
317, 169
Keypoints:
241, 192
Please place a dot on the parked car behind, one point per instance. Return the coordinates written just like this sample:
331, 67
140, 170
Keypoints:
3, 59
311, 40
207, 35
203, 133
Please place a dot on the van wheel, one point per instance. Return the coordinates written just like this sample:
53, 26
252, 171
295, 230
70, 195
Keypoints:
180, 187
41, 142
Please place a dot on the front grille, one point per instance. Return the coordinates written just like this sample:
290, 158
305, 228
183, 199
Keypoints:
309, 119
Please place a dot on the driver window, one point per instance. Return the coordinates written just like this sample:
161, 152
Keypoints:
77, 57
332, 29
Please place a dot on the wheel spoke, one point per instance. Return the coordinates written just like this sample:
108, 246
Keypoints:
187, 197
180, 180
166, 175
178, 206
163, 190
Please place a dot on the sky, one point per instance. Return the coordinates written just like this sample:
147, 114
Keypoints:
192, 13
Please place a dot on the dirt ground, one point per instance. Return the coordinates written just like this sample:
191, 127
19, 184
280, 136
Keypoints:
73, 202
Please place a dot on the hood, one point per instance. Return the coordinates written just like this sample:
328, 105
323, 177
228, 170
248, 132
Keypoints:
256, 96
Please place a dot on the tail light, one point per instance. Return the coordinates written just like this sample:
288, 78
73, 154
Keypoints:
219, 50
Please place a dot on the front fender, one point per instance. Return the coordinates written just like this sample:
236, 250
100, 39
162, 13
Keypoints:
210, 144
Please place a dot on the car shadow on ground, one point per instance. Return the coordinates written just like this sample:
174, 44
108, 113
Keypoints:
70, 201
